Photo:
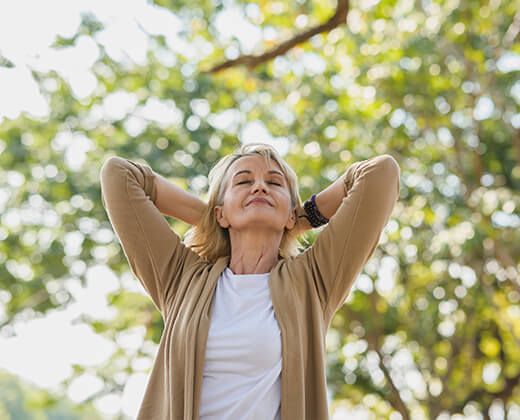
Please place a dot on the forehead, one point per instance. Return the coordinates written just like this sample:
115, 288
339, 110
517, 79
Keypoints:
253, 163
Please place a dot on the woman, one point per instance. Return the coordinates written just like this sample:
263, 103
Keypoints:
245, 313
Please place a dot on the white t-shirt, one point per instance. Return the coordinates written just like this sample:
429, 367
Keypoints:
241, 377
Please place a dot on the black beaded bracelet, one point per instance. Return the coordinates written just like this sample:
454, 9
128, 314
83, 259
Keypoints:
314, 216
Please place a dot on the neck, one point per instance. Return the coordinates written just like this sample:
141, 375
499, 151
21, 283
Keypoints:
253, 252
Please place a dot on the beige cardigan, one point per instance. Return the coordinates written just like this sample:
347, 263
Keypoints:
306, 290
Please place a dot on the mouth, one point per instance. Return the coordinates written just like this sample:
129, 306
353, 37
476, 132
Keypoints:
259, 201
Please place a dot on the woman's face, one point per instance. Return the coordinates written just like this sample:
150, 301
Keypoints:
250, 178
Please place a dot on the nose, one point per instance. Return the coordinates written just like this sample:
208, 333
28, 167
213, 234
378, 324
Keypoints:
260, 184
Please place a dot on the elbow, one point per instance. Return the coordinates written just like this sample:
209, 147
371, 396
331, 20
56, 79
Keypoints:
111, 164
111, 179
390, 162
388, 171
393, 170
112, 174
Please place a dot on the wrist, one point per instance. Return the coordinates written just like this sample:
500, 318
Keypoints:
314, 216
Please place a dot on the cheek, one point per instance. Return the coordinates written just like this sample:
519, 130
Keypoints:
285, 203
288, 198
234, 200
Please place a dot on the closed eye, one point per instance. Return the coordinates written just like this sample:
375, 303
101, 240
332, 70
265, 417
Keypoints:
245, 182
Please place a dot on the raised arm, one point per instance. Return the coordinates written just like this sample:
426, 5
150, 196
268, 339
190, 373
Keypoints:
173, 201
154, 251
337, 256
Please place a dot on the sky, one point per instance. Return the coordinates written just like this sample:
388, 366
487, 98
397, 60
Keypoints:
44, 350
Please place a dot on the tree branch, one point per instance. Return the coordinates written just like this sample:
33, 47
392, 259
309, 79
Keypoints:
395, 397
251, 61
480, 394
512, 32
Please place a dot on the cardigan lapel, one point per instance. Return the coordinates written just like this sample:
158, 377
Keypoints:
202, 332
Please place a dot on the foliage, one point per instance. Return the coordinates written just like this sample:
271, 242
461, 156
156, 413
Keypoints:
20, 401
433, 324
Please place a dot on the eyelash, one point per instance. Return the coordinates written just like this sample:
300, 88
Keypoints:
243, 182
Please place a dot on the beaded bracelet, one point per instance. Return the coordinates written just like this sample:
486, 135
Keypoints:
314, 216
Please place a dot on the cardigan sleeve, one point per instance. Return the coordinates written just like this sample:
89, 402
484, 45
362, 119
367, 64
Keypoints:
347, 242
155, 253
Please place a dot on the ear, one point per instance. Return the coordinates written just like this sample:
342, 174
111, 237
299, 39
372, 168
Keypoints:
292, 220
221, 219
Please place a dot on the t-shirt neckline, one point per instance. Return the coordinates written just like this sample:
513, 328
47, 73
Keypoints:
229, 272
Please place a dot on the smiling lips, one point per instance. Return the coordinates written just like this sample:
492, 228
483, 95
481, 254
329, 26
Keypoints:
259, 200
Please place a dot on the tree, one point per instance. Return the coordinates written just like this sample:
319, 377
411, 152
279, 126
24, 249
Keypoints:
431, 325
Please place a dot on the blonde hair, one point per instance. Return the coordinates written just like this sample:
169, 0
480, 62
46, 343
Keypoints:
208, 238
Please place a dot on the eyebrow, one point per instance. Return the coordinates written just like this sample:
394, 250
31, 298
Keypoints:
272, 171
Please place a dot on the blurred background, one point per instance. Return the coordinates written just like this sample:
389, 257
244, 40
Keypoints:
431, 328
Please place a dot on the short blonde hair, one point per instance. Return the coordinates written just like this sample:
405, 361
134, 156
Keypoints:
208, 238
